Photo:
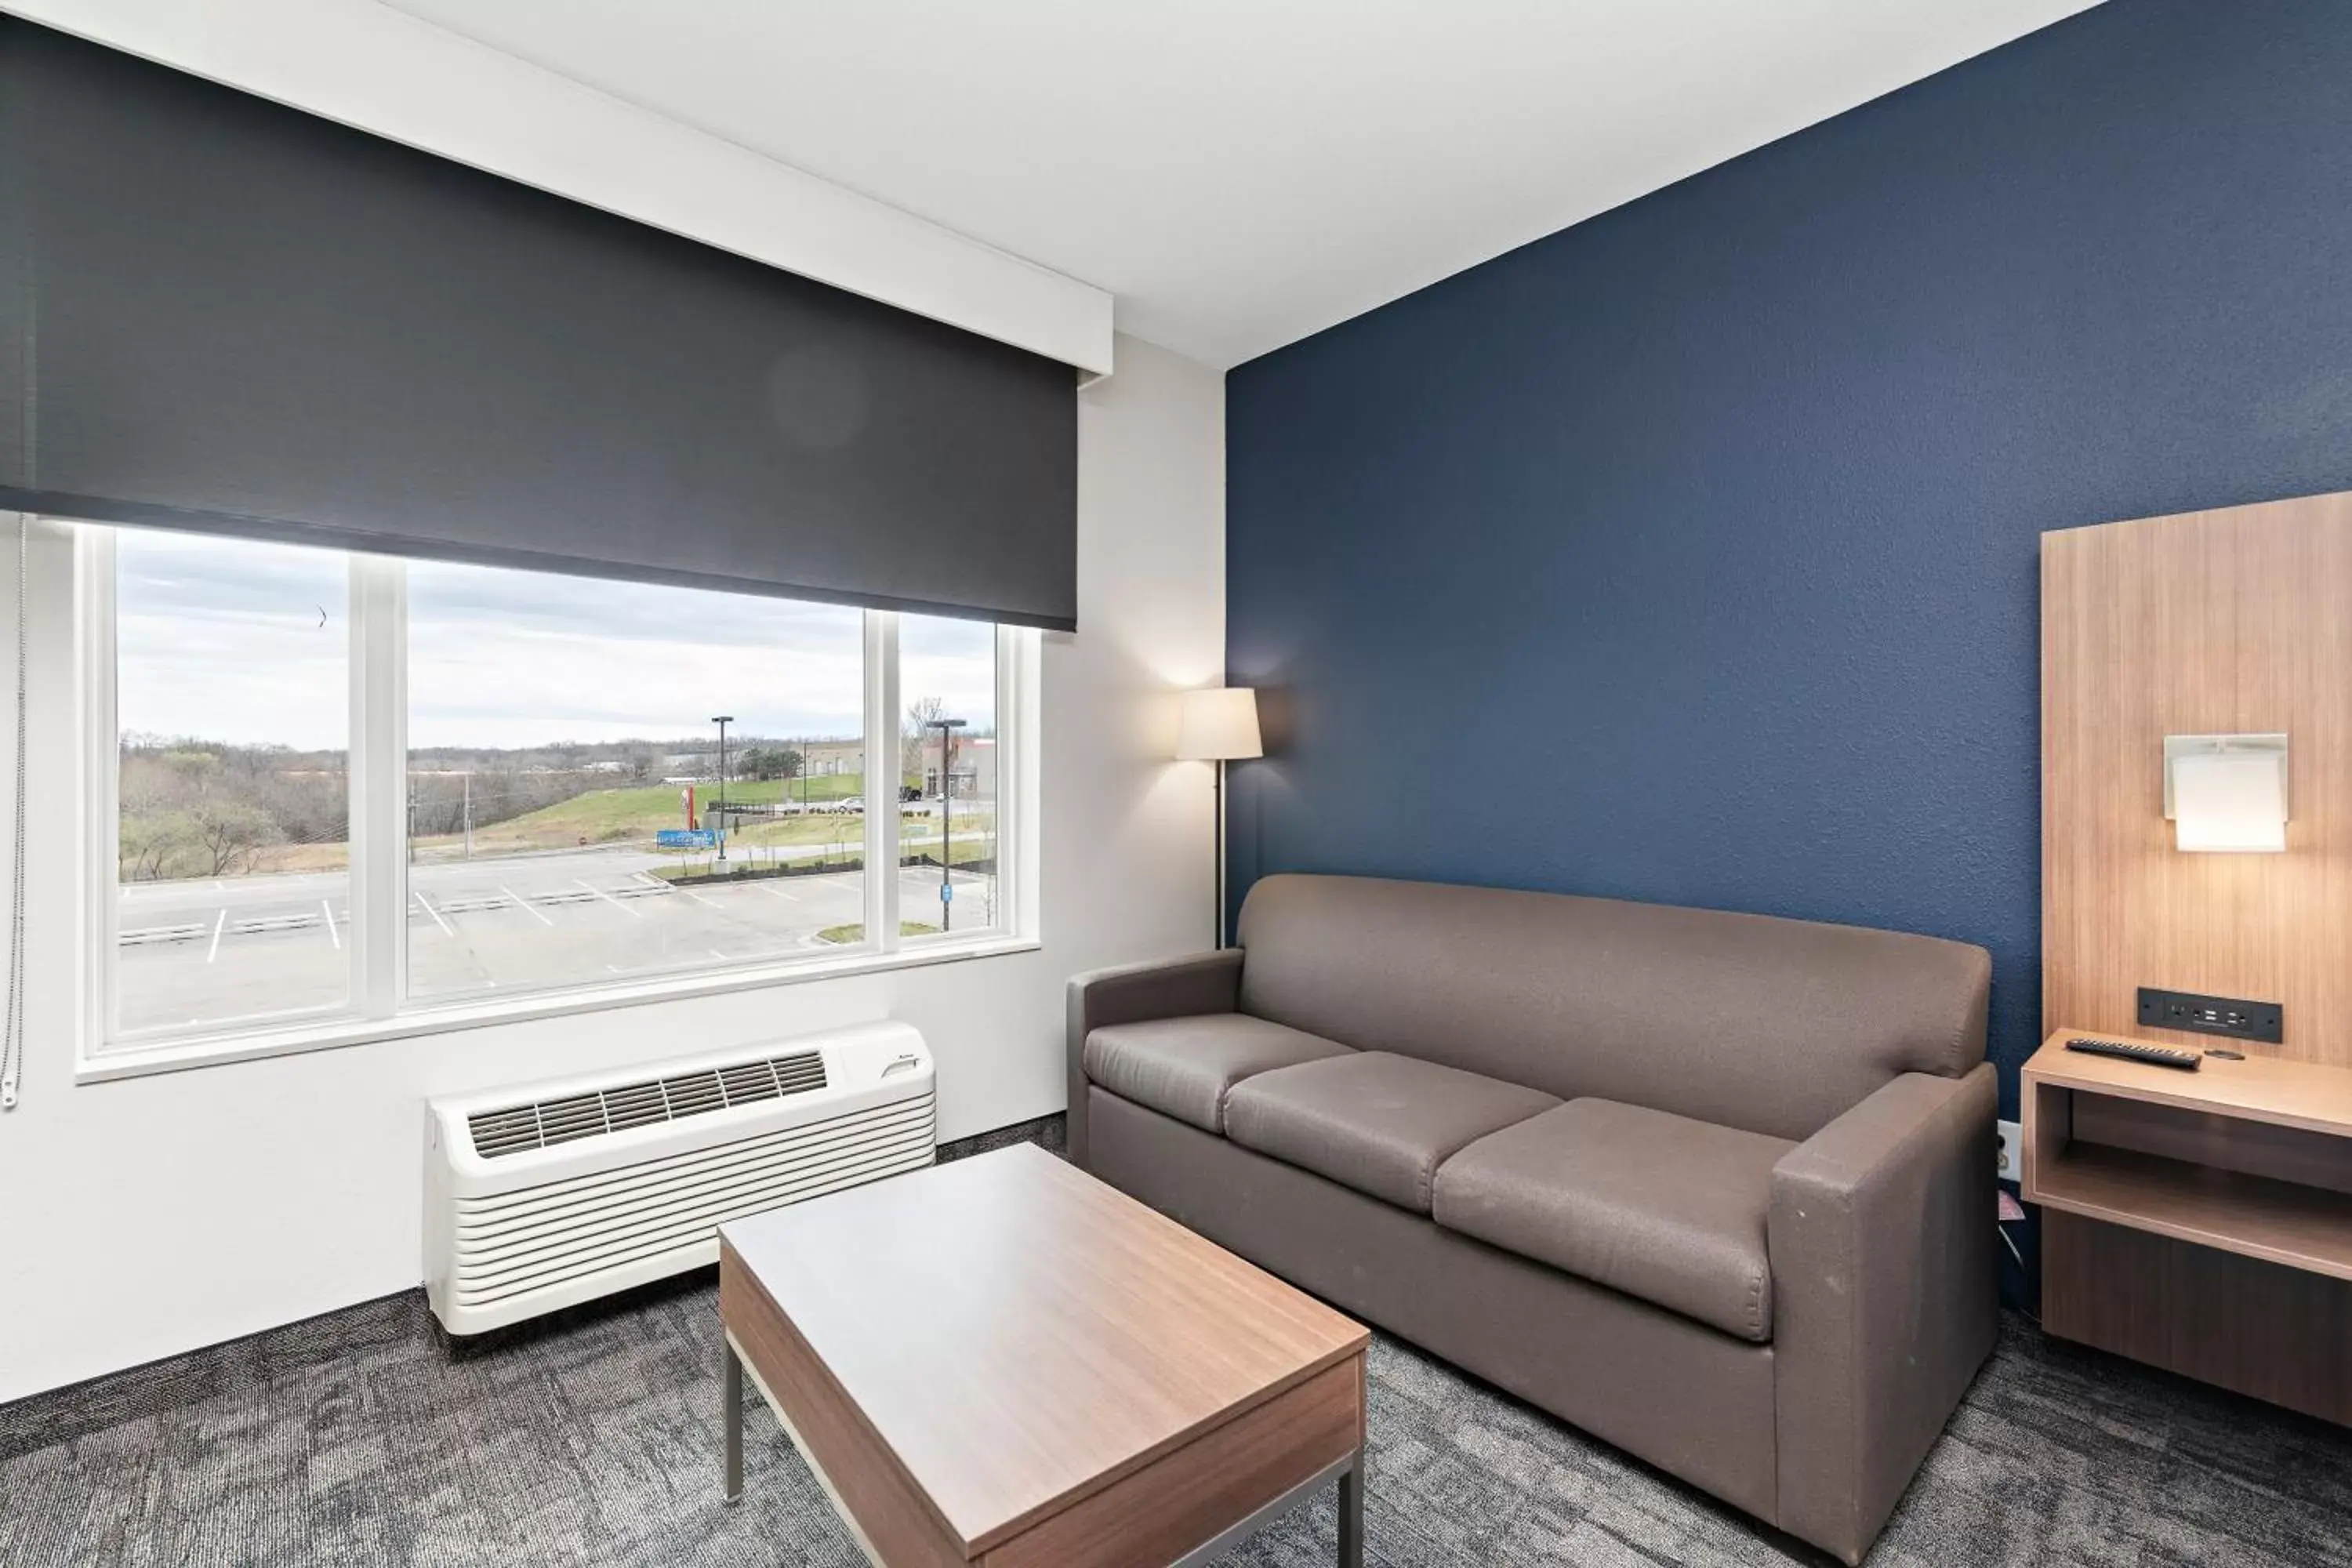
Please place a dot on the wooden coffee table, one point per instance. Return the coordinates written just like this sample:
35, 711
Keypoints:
1002, 1361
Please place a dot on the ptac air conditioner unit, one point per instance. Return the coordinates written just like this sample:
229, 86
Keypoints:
545, 1195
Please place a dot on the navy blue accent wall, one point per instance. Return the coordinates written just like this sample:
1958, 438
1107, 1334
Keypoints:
1689, 554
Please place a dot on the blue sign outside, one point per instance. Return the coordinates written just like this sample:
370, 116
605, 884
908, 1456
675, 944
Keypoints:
947, 893
688, 838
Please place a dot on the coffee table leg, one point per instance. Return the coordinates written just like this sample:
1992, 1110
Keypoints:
1351, 1514
732, 1367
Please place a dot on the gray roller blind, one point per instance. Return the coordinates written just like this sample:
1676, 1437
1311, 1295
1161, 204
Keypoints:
228, 316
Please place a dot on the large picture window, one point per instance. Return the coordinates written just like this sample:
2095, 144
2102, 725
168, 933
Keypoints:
571, 817
232, 787
346, 791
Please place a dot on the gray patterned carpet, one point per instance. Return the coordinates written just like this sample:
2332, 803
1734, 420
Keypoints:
361, 1439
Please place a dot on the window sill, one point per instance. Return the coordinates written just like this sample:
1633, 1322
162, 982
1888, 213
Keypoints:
253, 1045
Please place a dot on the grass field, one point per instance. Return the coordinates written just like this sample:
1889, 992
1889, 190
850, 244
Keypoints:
635, 815
620, 815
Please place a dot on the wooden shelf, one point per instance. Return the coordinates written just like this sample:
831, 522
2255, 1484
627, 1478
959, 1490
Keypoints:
2251, 1157
2307, 1095
2279, 1222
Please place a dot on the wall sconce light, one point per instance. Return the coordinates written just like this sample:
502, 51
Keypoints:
2226, 792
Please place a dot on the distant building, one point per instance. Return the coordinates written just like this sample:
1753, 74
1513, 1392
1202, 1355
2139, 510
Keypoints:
975, 767
975, 763
829, 758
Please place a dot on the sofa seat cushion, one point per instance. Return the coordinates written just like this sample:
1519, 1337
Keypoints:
1185, 1067
1376, 1123
1658, 1206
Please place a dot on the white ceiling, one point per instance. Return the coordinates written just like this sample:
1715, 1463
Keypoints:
1244, 172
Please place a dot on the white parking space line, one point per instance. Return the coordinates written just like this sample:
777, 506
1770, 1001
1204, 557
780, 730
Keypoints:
697, 897
633, 914
436, 915
220, 923
328, 909
653, 884
780, 893
519, 903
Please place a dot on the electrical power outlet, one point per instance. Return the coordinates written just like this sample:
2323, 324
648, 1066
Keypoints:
2008, 1160
2225, 1016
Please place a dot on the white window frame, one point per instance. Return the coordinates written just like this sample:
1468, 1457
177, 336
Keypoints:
379, 1007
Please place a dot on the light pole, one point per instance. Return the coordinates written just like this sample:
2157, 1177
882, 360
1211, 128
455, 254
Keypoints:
722, 720
947, 728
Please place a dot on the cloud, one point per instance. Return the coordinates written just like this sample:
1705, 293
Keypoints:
222, 639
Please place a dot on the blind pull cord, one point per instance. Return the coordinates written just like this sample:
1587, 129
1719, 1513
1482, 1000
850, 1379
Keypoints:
12, 1045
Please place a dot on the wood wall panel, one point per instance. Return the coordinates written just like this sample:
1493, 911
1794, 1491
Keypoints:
2232, 621
2280, 1334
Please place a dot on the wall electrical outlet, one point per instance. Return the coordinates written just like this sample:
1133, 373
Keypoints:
2225, 1016
2008, 1160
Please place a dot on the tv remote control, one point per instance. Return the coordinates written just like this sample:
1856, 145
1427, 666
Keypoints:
2155, 1055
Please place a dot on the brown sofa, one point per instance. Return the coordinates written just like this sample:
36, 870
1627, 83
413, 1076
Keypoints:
1715, 1187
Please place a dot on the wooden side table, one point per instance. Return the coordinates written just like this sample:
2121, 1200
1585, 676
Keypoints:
2198, 1221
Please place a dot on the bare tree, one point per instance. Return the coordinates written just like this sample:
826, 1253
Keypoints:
921, 713
229, 832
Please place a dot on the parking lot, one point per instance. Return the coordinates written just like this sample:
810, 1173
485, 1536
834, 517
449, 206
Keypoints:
193, 951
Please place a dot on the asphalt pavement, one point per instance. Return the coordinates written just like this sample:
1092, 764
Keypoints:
207, 951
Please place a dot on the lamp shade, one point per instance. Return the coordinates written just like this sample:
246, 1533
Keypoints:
2230, 801
1218, 724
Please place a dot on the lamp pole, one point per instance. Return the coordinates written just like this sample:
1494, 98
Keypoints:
1216, 725
722, 720
1219, 809
947, 728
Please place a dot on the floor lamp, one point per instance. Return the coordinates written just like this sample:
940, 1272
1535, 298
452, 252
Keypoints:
1219, 725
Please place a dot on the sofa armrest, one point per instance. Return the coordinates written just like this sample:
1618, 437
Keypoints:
1131, 994
1885, 1294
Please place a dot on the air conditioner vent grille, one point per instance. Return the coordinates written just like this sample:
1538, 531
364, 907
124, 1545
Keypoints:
504, 1132
662, 1213
637, 1105
577, 1116
515, 1129
753, 1080
694, 1094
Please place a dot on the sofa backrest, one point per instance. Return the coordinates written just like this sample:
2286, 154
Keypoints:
1771, 1025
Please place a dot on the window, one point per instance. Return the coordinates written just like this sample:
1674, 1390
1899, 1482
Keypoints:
572, 817
233, 797
947, 841
347, 795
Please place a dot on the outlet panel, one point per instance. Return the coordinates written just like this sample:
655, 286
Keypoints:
2228, 1016
2008, 1160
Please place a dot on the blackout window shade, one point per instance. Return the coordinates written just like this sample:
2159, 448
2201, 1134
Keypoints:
220, 314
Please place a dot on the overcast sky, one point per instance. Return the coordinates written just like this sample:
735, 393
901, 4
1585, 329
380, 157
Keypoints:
222, 640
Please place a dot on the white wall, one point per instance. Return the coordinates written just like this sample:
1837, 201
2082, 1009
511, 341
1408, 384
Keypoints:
145, 1218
